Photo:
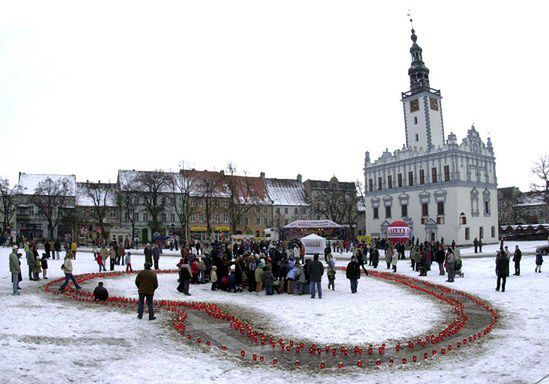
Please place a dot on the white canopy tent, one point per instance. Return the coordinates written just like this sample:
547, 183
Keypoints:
314, 244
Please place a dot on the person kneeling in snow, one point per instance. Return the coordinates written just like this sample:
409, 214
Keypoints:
100, 293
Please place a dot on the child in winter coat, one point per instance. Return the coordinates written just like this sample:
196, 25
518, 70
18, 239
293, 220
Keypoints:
539, 262
44, 264
331, 278
99, 260
213, 277
38, 266
128, 261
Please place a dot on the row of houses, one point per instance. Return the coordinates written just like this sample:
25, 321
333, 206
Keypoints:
188, 203
521, 208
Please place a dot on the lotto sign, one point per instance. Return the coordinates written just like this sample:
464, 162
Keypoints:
399, 231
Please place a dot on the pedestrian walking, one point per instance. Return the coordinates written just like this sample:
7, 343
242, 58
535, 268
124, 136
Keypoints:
539, 262
394, 261
67, 268
129, 262
147, 283
450, 264
331, 278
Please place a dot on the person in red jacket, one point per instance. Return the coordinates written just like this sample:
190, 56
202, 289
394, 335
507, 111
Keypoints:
196, 271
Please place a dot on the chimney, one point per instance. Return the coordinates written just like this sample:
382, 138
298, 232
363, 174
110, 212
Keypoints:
262, 175
299, 178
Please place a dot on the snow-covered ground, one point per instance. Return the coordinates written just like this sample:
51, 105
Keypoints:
45, 338
491, 249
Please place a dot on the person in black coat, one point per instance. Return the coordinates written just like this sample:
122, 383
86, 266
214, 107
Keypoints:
100, 293
502, 269
516, 258
374, 257
439, 258
353, 274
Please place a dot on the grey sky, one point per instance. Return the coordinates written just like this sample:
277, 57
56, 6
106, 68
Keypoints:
283, 87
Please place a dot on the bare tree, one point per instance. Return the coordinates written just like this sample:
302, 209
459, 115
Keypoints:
211, 193
51, 197
337, 204
183, 186
7, 205
242, 196
128, 203
100, 195
153, 187
541, 188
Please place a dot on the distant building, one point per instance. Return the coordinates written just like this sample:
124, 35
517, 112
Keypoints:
289, 200
97, 211
31, 220
442, 189
530, 208
507, 198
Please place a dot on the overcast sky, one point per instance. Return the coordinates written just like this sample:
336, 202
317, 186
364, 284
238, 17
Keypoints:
283, 87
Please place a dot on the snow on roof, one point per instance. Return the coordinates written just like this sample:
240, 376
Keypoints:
286, 192
28, 182
127, 177
313, 224
84, 200
529, 199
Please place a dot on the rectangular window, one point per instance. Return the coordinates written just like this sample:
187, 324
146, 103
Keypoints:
257, 221
486, 207
376, 213
424, 209
440, 208
388, 212
201, 218
399, 180
164, 218
410, 179
404, 208
370, 185
296, 211
415, 119
246, 221
462, 220
446, 173
113, 214
379, 185
440, 219
481, 232
390, 182
217, 218
265, 221
265, 209
145, 216
225, 217
467, 233
285, 211
422, 176
303, 210
172, 216
434, 175
257, 210
191, 219
493, 231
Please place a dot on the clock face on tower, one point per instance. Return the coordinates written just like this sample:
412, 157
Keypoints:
414, 105
434, 103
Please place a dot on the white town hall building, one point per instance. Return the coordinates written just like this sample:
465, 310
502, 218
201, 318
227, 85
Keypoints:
442, 189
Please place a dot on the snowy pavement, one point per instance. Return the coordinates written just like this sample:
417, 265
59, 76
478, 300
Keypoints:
45, 338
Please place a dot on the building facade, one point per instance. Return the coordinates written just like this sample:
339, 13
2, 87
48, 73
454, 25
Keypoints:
289, 201
442, 189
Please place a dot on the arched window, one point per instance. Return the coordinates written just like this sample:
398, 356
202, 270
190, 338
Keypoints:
462, 219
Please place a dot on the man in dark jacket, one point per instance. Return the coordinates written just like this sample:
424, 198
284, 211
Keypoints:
156, 251
146, 282
516, 258
502, 269
100, 293
439, 258
353, 273
316, 270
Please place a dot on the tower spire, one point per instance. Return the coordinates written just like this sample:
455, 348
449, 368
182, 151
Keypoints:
418, 71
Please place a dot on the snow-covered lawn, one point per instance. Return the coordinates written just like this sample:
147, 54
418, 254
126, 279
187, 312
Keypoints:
47, 339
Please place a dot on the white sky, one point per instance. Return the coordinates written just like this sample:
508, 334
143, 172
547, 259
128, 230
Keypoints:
283, 87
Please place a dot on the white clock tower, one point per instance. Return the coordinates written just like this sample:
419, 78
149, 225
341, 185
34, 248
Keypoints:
422, 105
